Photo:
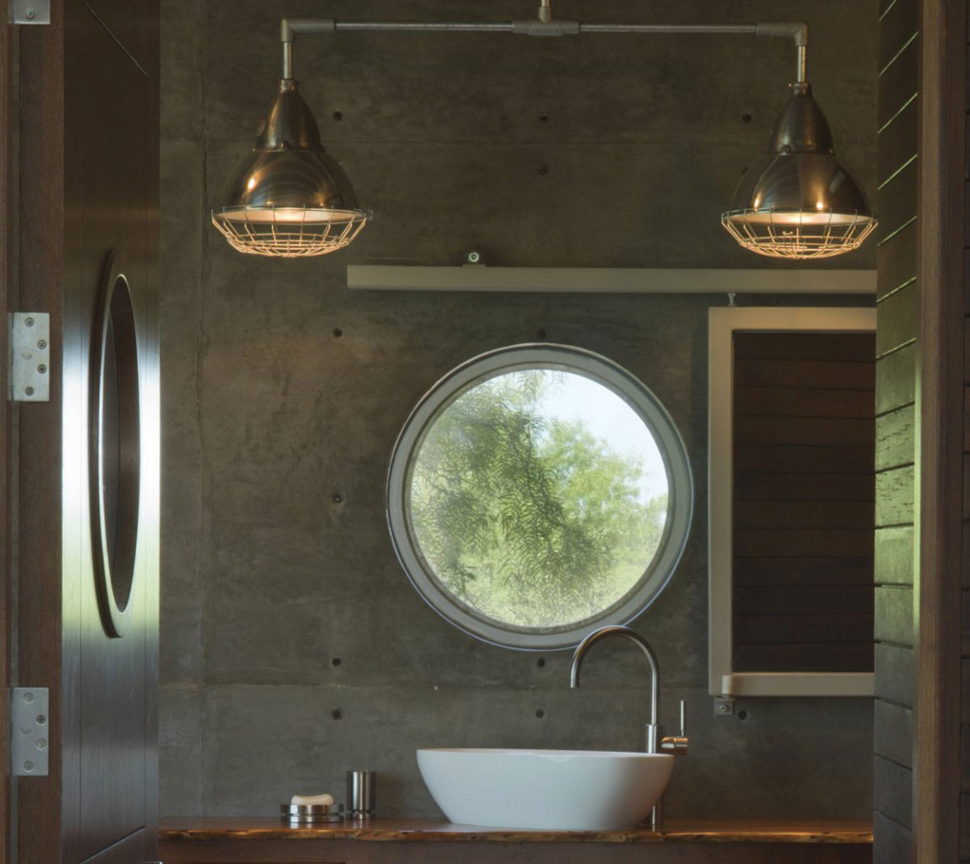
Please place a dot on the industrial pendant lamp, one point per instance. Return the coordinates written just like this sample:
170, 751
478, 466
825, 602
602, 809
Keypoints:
798, 201
290, 198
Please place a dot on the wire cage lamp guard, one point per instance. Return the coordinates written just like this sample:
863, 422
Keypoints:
792, 235
287, 232
289, 198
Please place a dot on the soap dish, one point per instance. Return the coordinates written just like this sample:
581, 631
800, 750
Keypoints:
310, 813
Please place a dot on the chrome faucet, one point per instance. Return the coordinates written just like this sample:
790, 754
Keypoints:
656, 741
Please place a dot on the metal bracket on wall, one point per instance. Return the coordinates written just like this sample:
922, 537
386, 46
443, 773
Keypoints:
30, 11
29, 735
30, 350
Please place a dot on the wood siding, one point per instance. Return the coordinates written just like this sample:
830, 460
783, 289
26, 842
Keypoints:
803, 502
965, 580
895, 457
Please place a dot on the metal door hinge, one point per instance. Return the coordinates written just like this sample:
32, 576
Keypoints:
29, 731
30, 11
30, 352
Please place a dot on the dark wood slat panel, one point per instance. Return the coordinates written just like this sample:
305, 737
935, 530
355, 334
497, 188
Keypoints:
804, 514
768, 542
965, 691
827, 431
752, 372
897, 84
893, 791
804, 402
896, 201
965, 620
895, 441
894, 614
126, 22
964, 826
966, 334
896, 28
896, 320
827, 570
966, 280
804, 459
966, 554
966, 483
895, 673
965, 758
893, 562
891, 843
846, 629
966, 425
966, 166
896, 257
813, 657
896, 380
893, 732
966, 210
801, 345
894, 496
803, 600
803, 487
897, 143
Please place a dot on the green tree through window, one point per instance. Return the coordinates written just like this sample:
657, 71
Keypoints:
527, 514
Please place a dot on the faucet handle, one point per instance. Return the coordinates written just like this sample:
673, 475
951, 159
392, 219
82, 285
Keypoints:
677, 744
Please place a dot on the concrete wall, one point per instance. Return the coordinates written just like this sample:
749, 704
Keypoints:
293, 646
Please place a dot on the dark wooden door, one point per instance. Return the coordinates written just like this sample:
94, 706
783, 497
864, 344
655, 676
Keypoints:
7, 301
88, 201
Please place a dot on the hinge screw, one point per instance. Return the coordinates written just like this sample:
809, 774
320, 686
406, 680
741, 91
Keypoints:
30, 14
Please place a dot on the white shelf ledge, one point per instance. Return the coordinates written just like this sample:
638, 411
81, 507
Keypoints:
478, 277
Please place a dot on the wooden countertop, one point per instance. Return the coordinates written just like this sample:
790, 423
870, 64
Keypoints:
429, 831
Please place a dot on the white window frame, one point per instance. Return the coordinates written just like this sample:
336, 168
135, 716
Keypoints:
724, 321
622, 383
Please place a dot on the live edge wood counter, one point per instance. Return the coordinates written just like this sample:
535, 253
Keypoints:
391, 841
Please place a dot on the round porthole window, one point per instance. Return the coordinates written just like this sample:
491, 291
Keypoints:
115, 447
537, 492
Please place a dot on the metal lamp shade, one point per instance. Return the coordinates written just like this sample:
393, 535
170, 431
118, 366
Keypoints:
799, 201
289, 197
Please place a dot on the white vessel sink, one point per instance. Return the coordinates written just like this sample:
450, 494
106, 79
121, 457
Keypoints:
556, 790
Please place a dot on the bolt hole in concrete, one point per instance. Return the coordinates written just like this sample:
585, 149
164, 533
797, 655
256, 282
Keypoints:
746, 118
336, 661
543, 118
540, 713
337, 714
337, 115
540, 662
540, 334
543, 169
337, 333
742, 714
